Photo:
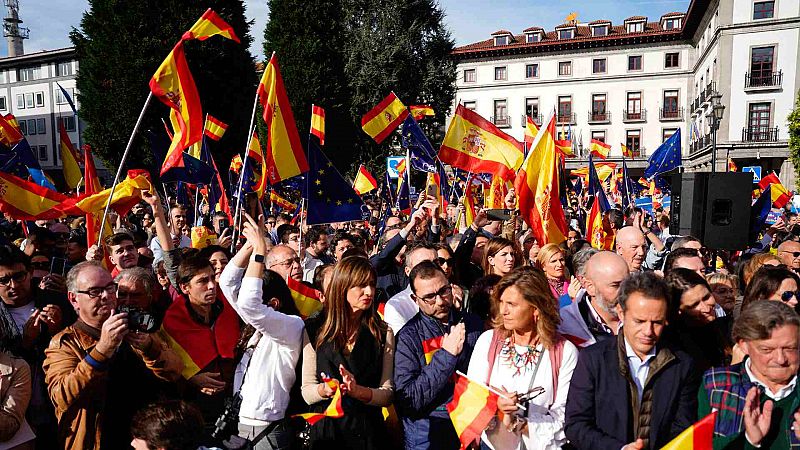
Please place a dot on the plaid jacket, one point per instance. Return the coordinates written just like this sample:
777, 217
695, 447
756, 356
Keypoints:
726, 388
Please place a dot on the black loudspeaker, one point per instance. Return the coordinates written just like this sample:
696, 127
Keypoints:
714, 207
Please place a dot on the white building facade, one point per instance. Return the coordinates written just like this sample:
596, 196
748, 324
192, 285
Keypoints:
638, 82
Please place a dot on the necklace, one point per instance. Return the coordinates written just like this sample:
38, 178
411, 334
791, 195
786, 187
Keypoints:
520, 362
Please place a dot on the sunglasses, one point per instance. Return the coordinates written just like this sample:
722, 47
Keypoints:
787, 295
17, 277
794, 254
443, 261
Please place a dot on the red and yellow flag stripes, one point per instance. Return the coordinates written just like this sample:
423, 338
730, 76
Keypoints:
306, 298
471, 409
699, 436
381, 120
334, 409
430, 347
318, 123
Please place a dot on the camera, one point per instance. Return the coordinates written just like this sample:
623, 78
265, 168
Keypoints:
229, 418
139, 319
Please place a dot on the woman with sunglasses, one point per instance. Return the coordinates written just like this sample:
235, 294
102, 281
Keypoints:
526, 360
776, 283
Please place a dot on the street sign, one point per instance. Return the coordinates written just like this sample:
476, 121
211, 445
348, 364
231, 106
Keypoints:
756, 170
391, 165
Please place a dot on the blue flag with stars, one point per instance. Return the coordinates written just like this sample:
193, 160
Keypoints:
666, 157
423, 156
759, 212
330, 198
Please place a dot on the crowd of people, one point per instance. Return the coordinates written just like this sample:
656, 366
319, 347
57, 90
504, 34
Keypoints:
143, 341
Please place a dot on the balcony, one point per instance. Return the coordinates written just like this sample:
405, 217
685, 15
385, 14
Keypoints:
670, 114
634, 116
537, 119
566, 119
759, 134
704, 96
700, 144
599, 117
501, 121
763, 81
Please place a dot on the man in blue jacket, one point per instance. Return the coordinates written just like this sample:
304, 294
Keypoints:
430, 348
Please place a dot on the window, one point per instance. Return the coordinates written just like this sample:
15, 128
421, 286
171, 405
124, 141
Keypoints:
3, 105
29, 100
469, 75
532, 108
600, 31
31, 126
565, 68
598, 107
672, 24
763, 10
42, 153
532, 37
23, 127
758, 117
761, 59
63, 69
3, 77
671, 60
633, 140
566, 34
599, 136
40, 126
667, 133
469, 105
599, 65
532, 71
68, 122
634, 106
635, 27
635, 62
565, 108
671, 103
500, 73
60, 99
500, 40
39, 96
501, 113
20, 101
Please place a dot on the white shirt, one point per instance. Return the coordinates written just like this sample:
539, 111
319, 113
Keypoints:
266, 386
158, 253
310, 264
400, 309
545, 414
21, 314
781, 394
639, 369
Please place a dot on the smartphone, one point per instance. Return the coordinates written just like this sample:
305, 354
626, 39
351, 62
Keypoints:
223, 224
498, 214
431, 191
58, 266
252, 204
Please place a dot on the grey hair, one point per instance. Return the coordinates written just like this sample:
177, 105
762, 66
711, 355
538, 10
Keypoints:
137, 274
580, 259
760, 318
74, 273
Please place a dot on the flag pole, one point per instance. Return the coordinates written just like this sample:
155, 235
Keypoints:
122, 163
238, 216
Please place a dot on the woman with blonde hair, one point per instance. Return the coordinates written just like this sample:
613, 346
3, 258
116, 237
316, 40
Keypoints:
725, 289
552, 260
344, 345
528, 361
499, 257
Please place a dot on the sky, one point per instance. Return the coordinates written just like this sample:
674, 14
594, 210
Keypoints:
468, 20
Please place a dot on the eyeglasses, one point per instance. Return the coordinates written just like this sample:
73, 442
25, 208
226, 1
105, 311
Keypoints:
445, 292
787, 295
287, 262
270, 222
443, 261
794, 254
17, 277
97, 292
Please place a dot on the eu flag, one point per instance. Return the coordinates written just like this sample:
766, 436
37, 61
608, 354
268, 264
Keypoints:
330, 198
403, 203
596, 187
759, 212
423, 156
627, 186
666, 157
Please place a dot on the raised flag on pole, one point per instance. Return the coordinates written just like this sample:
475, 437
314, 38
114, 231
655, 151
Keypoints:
780, 195
731, 165
277, 200
285, 157
531, 130
236, 164
214, 128
472, 408
330, 197
625, 152
210, 24
381, 120
364, 182
318, 123
666, 157
476, 145
306, 298
419, 112
69, 158
599, 148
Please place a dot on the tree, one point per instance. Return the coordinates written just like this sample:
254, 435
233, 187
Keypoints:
369, 49
121, 44
794, 137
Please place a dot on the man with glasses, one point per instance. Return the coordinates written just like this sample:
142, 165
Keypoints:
99, 373
789, 253
284, 260
431, 347
402, 307
177, 220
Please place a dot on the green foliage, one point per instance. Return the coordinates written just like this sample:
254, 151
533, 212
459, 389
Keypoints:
794, 137
347, 55
120, 44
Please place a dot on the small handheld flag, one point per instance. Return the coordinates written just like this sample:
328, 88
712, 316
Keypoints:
420, 111
699, 436
214, 128
364, 182
471, 409
381, 120
318, 123
334, 409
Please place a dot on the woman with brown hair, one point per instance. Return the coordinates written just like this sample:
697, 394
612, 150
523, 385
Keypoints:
526, 359
345, 344
776, 283
499, 257
552, 261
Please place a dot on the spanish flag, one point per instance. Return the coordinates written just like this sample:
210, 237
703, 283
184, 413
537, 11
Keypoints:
469, 204
364, 181
430, 347
381, 120
599, 148
306, 298
318, 123
236, 164
537, 187
10, 133
420, 111
531, 130
595, 232
215, 128
281, 202
285, 157
401, 173
471, 409
210, 24
731, 165
25, 200
496, 196
780, 195
69, 158
334, 409
92, 186
699, 436
476, 145
625, 152
604, 170
255, 153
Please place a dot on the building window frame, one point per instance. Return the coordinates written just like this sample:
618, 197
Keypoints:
501, 40
598, 135
597, 33
41, 125
760, 71
671, 105
39, 98
501, 73
633, 111
531, 38
530, 104
595, 66
3, 103
763, 12
68, 122
635, 27
672, 60
633, 141
565, 65
470, 75
564, 109
599, 107
631, 62
32, 127
500, 120
20, 101
29, 100
667, 133
23, 127
566, 33
532, 71
760, 124
471, 105
673, 23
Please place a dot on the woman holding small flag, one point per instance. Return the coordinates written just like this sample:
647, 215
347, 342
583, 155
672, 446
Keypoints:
526, 360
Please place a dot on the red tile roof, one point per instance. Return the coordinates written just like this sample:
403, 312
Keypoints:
501, 32
598, 22
673, 14
529, 29
635, 18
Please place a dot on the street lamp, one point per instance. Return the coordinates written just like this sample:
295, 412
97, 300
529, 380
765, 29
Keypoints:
715, 117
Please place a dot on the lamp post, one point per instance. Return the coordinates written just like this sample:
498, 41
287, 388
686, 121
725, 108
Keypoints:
715, 116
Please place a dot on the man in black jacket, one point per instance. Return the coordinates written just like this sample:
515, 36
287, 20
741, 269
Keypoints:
632, 392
